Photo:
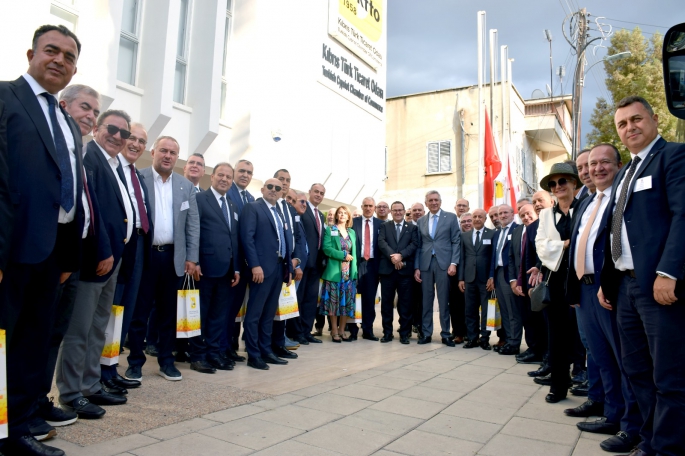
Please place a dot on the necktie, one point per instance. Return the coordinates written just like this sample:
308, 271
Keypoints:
281, 233
197, 189
367, 241
67, 180
224, 209
582, 243
500, 244
434, 225
617, 221
244, 197
286, 212
477, 238
524, 241
398, 231
144, 222
318, 224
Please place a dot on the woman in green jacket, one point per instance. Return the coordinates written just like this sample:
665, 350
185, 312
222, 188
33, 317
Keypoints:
340, 277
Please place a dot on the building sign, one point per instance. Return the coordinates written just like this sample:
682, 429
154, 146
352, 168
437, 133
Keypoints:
347, 76
358, 25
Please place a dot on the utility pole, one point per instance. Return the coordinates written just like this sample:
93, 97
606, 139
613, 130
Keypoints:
579, 80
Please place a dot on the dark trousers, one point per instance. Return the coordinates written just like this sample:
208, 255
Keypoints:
400, 284
601, 332
259, 315
231, 331
307, 299
27, 311
152, 333
126, 294
594, 378
278, 334
214, 301
654, 360
560, 342
159, 287
578, 352
457, 308
476, 310
417, 304
504, 296
535, 328
367, 286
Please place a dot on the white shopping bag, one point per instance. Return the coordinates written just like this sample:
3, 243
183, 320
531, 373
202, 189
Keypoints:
110, 352
188, 310
287, 304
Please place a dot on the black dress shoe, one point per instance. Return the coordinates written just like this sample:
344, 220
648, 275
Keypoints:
497, 348
369, 337
509, 350
448, 342
404, 340
579, 377
301, 340
317, 332
202, 367
528, 358
312, 339
599, 426
424, 340
485, 345
84, 409
622, 441
104, 398
545, 369
546, 380
386, 338
415, 329
553, 398
283, 352
29, 446
586, 409
221, 363
273, 359
472, 343
124, 383
352, 337
112, 388
234, 356
257, 363
582, 389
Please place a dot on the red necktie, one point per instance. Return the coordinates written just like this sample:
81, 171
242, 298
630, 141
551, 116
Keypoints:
524, 240
318, 224
144, 223
367, 241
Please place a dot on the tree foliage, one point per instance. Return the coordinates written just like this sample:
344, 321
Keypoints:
639, 74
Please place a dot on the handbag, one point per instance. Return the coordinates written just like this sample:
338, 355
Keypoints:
188, 322
110, 352
494, 317
540, 296
287, 304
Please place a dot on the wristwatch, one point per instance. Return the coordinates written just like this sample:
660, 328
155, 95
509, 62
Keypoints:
661, 274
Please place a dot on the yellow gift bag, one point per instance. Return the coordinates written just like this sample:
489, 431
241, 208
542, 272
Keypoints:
188, 310
110, 352
3, 386
241, 313
287, 304
357, 310
494, 318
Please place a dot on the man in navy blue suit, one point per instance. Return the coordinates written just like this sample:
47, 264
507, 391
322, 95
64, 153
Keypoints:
217, 271
238, 192
46, 194
266, 242
368, 257
643, 274
512, 322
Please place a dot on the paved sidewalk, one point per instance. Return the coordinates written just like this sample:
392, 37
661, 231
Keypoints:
415, 400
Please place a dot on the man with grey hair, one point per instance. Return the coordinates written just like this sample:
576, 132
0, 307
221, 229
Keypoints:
83, 105
194, 170
436, 261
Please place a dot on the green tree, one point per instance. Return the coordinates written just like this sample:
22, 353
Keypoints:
639, 74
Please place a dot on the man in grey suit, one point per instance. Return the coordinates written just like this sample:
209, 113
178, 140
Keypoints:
174, 253
476, 254
436, 261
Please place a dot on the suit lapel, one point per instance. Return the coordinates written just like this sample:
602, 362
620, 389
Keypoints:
95, 149
645, 164
177, 197
215, 205
267, 211
150, 184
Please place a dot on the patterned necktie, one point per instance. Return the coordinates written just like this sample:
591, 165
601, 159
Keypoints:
244, 197
281, 233
224, 209
367, 241
524, 241
617, 221
197, 190
142, 213
67, 181
477, 238
582, 243
286, 214
500, 244
398, 231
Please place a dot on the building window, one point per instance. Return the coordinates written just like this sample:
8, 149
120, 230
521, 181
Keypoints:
181, 54
224, 69
64, 13
128, 42
439, 157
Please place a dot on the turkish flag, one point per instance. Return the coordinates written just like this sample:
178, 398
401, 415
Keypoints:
492, 165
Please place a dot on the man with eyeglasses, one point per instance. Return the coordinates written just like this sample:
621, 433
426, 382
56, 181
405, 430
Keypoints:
78, 366
461, 207
382, 211
194, 170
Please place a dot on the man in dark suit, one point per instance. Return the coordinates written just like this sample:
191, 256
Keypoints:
457, 298
299, 329
217, 271
46, 191
588, 187
645, 264
6, 211
174, 253
78, 366
436, 261
194, 170
238, 192
476, 255
397, 241
417, 211
499, 279
266, 242
368, 259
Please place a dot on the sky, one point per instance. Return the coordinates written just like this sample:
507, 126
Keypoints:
432, 44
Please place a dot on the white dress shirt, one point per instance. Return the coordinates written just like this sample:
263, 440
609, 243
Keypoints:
218, 197
273, 216
64, 216
503, 238
473, 236
131, 191
363, 235
114, 164
625, 261
592, 237
164, 210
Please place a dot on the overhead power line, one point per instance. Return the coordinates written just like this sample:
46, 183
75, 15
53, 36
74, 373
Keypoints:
636, 23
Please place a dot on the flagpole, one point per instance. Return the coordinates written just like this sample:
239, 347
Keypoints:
481, 114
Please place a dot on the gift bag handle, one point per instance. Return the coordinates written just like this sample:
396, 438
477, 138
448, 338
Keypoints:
189, 281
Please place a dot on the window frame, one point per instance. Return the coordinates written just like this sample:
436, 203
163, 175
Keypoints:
228, 32
440, 170
183, 59
135, 39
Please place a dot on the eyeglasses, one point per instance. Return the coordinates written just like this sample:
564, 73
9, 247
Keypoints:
398, 211
301, 201
140, 141
272, 186
113, 130
552, 184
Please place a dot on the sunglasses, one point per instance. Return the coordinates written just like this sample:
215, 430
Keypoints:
561, 182
113, 130
272, 186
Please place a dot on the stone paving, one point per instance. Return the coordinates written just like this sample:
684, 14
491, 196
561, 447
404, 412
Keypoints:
367, 398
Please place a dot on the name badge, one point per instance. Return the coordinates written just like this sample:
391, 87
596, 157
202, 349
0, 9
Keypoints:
297, 219
185, 205
235, 216
487, 241
509, 237
335, 233
643, 183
